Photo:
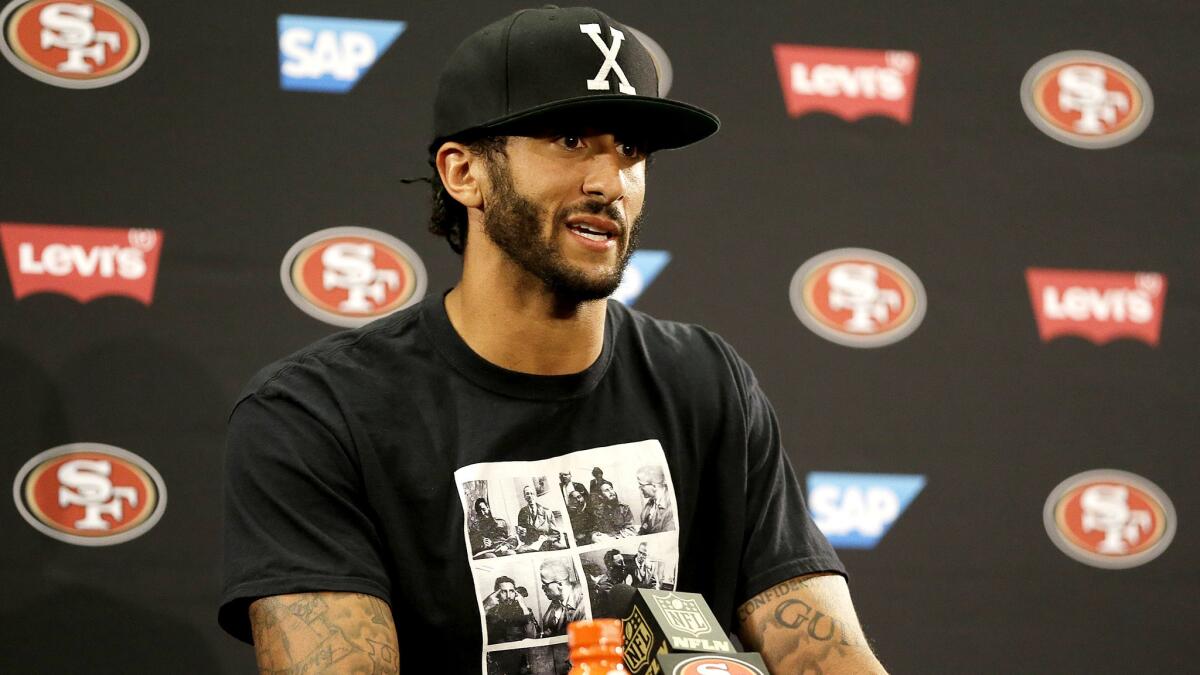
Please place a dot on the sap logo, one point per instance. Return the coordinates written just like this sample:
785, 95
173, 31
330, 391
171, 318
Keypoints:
643, 267
855, 510
318, 53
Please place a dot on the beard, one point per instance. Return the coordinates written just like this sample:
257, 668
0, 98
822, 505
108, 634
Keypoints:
514, 224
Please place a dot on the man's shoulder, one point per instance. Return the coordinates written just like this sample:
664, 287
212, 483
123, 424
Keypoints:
676, 349
347, 354
665, 337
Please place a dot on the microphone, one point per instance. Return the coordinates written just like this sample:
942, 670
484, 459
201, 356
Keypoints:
665, 631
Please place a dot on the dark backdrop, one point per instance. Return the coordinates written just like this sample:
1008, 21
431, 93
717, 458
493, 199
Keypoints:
202, 144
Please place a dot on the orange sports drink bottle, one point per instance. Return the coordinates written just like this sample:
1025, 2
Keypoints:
597, 647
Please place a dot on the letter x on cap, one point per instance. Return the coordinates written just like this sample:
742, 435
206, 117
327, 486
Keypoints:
567, 69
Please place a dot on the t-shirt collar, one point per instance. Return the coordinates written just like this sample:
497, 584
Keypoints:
496, 379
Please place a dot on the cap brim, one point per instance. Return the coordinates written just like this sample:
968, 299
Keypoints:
657, 123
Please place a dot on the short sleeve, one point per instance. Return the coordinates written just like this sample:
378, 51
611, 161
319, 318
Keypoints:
295, 514
782, 541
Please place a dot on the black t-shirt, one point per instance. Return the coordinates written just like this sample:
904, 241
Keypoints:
376, 461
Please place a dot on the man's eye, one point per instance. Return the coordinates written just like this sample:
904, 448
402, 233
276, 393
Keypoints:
571, 142
631, 150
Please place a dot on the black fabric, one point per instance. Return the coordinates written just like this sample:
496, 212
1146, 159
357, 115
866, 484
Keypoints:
534, 66
341, 461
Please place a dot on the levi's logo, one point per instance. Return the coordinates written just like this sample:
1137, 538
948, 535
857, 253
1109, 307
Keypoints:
849, 83
83, 263
1097, 306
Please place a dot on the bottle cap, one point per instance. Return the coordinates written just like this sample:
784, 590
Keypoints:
598, 632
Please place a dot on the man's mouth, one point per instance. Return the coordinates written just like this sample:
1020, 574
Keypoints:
593, 228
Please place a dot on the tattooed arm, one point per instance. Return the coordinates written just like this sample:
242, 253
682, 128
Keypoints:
807, 626
324, 633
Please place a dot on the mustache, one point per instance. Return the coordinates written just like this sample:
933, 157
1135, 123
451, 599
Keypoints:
594, 207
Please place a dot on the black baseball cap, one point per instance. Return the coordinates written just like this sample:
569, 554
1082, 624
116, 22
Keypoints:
558, 68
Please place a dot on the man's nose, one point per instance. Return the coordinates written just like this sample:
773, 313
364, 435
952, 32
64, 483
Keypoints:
604, 178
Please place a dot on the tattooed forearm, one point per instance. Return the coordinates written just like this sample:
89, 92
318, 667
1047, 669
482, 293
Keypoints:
798, 615
323, 633
807, 626
773, 593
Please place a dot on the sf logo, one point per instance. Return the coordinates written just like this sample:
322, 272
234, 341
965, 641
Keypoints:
85, 482
600, 81
1082, 89
351, 267
69, 27
855, 287
1106, 509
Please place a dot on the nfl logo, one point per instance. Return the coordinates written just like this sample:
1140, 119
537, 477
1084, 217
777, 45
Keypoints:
683, 615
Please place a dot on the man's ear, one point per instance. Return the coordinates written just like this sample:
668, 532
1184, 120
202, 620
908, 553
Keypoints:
460, 170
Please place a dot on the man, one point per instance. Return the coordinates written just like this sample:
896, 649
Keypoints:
643, 575
345, 460
657, 513
566, 598
566, 485
611, 593
508, 617
611, 518
489, 535
597, 479
535, 524
579, 511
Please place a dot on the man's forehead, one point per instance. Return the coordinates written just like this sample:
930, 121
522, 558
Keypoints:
555, 128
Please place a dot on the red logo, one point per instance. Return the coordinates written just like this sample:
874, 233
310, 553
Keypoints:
1097, 306
858, 297
349, 276
1111, 519
849, 83
90, 494
1087, 99
77, 45
714, 665
83, 263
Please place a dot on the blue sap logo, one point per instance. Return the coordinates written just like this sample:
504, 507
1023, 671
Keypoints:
643, 267
320, 53
855, 510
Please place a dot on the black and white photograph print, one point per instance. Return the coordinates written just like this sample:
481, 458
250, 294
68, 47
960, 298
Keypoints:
510, 609
547, 660
612, 574
658, 503
489, 534
561, 594
539, 518
602, 510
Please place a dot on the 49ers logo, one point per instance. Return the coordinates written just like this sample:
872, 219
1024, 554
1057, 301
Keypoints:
715, 665
77, 45
90, 494
1110, 519
1087, 99
858, 297
349, 276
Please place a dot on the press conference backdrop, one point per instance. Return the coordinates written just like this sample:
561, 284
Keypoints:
957, 241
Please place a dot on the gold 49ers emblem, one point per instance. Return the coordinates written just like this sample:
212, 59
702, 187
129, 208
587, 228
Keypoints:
638, 640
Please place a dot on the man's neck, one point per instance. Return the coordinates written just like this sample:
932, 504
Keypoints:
514, 322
